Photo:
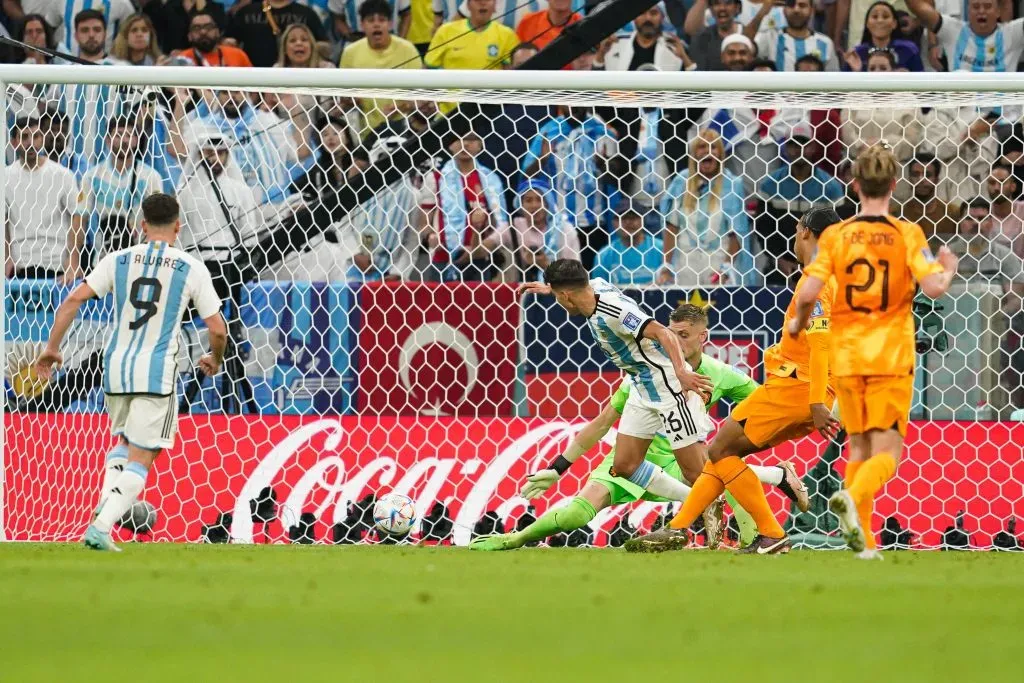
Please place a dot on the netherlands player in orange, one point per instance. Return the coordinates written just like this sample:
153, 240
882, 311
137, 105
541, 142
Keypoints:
795, 400
878, 263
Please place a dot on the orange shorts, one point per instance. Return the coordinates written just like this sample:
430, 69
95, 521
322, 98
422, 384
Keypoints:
875, 402
778, 411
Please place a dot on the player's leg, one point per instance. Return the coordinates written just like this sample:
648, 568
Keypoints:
850, 393
149, 428
577, 513
117, 457
637, 427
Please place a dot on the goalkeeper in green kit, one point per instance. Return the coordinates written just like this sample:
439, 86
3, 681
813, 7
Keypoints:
690, 324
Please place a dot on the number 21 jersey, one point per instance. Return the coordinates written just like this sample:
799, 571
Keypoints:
877, 262
152, 284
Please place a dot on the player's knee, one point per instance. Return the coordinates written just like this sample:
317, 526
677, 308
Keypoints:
717, 450
623, 468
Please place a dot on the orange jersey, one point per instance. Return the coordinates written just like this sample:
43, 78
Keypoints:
795, 354
877, 262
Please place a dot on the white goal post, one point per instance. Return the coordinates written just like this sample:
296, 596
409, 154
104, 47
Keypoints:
367, 358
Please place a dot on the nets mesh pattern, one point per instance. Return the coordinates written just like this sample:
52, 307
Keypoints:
368, 244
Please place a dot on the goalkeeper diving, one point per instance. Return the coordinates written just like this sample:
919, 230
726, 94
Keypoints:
689, 323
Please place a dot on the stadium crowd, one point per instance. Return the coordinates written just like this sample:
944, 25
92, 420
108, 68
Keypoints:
644, 196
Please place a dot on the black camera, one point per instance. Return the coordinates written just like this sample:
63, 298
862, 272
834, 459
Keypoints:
929, 334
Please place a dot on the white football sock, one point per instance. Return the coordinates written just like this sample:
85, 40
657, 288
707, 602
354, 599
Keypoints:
661, 484
117, 458
123, 492
768, 475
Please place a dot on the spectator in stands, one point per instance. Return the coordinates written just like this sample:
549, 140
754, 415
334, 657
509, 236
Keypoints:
521, 54
788, 193
900, 127
257, 27
379, 49
543, 232
882, 32
706, 48
986, 259
1007, 209
633, 256
935, 216
44, 227
136, 42
981, 43
88, 107
385, 232
345, 16
173, 20
112, 191
737, 53
297, 49
218, 211
1007, 539
471, 202
334, 169
62, 15
785, 45
264, 151
36, 32
543, 26
205, 46
473, 43
704, 205
648, 44
417, 23
572, 152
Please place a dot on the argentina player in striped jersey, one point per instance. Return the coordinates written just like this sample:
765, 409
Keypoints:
153, 284
666, 395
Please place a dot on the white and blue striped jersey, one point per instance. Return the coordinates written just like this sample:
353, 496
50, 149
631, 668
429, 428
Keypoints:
785, 50
60, 14
152, 285
618, 325
967, 51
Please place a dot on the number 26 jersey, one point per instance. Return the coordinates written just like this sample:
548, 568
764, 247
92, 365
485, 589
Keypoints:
152, 284
877, 262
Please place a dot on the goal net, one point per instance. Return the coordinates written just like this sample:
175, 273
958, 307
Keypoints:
368, 243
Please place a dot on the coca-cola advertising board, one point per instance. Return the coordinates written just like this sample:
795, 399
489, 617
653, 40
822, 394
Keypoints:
438, 349
472, 465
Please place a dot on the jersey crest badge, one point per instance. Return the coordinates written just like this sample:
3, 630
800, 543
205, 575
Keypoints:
631, 322
818, 310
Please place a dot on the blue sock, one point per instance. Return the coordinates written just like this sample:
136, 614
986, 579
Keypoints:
642, 476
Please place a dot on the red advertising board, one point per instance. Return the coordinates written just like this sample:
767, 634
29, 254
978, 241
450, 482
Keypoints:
53, 462
438, 349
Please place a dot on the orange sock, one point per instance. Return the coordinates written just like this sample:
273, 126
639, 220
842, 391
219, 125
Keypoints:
743, 484
864, 511
852, 467
871, 477
707, 487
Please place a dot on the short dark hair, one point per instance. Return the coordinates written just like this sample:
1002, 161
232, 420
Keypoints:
809, 59
372, 8
762, 64
927, 161
89, 15
979, 203
689, 313
160, 209
23, 122
818, 218
566, 273
195, 13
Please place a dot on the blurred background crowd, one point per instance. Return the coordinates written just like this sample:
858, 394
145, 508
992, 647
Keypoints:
644, 196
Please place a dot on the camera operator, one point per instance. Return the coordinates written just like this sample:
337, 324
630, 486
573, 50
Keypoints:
113, 190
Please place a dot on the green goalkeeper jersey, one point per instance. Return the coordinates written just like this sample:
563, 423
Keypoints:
729, 383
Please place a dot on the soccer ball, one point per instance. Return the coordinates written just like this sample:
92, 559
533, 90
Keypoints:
140, 518
394, 514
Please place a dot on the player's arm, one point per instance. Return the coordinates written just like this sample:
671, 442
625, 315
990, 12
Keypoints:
935, 285
62, 320
735, 385
805, 299
540, 481
210, 362
819, 341
691, 381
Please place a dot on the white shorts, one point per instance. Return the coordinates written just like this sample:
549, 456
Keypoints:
683, 421
148, 422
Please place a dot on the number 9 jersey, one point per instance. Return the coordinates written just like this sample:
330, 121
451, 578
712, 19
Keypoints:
877, 262
152, 284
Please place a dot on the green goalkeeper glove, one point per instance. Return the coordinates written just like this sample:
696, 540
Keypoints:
539, 482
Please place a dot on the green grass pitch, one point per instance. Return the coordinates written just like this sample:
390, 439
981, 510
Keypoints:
283, 613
